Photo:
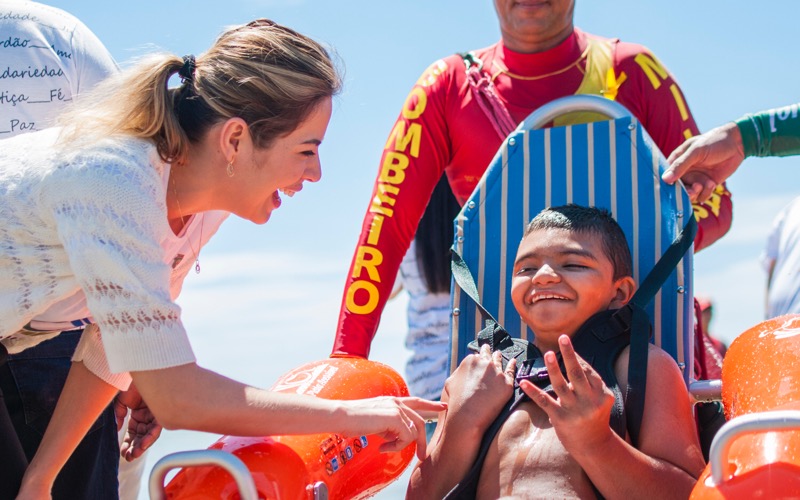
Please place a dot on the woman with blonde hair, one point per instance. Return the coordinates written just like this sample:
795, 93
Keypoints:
108, 213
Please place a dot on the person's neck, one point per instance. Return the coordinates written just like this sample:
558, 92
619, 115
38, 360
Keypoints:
547, 346
535, 44
547, 340
188, 189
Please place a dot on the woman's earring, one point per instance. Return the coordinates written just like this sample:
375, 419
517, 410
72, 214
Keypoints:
229, 170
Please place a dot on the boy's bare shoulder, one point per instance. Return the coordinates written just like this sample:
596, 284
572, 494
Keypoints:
658, 361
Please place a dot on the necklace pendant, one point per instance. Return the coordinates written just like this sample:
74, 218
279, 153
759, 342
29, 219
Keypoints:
197, 266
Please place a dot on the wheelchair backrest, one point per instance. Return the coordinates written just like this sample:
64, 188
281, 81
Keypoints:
611, 164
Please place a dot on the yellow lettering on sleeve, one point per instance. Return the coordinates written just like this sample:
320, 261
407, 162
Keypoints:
412, 110
700, 211
368, 258
432, 73
394, 165
402, 138
713, 203
383, 197
676, 94
375, 230
652, 68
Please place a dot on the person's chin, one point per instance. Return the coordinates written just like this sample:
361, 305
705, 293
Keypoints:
551, 321
263, 217
258, 216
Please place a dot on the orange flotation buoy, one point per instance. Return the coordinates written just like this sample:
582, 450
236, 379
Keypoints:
297, 467
756, 454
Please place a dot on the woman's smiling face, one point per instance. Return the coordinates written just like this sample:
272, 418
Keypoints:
260, 174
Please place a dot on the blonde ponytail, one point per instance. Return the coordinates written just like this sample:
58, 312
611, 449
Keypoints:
267, 74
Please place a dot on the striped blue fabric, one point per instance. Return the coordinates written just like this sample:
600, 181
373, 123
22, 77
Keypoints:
610, 164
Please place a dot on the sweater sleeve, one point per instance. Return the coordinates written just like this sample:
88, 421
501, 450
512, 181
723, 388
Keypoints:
91, 353
111, 218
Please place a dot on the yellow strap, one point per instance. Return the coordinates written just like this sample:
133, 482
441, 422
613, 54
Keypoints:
599, 79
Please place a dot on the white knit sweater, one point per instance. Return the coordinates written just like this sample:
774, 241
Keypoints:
93, 220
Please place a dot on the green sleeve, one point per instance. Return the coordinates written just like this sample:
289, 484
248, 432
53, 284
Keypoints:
775, 132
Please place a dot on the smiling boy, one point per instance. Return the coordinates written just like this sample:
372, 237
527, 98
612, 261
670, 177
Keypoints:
572, 265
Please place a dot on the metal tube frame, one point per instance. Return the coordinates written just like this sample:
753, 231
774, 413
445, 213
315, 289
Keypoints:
584, 102
196, 458
706, 391
769, 421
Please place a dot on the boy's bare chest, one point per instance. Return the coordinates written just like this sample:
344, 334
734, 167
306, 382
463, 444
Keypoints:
527, 460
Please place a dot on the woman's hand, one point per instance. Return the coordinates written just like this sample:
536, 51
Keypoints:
581, 410
399, 421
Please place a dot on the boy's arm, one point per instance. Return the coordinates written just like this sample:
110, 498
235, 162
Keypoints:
475, 394
84, 397
668, 461
451, 452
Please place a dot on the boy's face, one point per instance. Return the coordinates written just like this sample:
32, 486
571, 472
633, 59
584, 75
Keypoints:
562, 278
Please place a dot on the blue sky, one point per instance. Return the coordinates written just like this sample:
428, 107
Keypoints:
263, 288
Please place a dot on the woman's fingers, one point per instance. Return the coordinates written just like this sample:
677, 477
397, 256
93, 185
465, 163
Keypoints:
409, 426
417, 428
425, 408
421, 436
408, 432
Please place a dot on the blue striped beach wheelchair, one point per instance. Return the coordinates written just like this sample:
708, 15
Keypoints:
611, 164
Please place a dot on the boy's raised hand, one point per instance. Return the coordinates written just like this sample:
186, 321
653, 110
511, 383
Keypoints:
581, 411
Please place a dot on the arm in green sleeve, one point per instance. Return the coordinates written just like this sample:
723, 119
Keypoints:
775, 132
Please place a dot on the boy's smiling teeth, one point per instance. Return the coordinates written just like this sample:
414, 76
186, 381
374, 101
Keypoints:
537, 297
288, 192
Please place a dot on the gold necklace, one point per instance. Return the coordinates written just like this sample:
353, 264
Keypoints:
503, 70
195, 255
